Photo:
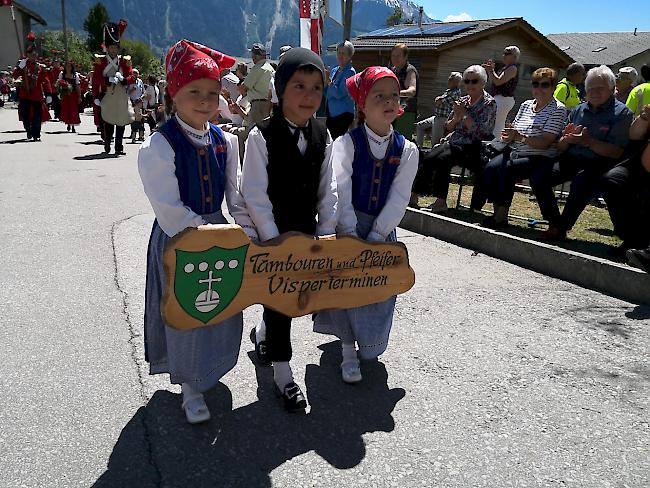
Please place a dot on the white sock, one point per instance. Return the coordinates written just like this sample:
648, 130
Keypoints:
260, 331
282, 374
349, 351
188, 391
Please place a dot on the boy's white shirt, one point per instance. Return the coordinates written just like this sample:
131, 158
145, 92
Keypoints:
158, 174
255, 182
398, 196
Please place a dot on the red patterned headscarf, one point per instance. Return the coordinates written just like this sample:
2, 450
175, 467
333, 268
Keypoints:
187, 61
360, 84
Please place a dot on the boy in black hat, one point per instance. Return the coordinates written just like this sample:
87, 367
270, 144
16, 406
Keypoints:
288, 185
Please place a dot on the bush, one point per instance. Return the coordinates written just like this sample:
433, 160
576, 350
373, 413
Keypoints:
52, 47
142, 57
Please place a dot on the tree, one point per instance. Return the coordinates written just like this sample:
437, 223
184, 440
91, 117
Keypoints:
94, 26
142, 57
396, 17
52, 48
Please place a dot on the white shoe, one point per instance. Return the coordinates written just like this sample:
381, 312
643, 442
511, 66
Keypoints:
196, 411
351, 371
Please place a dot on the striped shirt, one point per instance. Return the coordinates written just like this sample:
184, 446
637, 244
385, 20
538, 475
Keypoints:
552, 119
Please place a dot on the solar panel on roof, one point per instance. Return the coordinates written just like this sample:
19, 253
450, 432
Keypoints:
426, 30
442, 30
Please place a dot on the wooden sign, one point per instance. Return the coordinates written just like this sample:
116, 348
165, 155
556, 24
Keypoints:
215, 271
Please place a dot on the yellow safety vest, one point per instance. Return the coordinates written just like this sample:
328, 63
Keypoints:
638, 98
567, 93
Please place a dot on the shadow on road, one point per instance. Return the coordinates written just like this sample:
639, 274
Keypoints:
91, 143
18, 131
242, 447
16, 141
640, 312
91, 157
59, 132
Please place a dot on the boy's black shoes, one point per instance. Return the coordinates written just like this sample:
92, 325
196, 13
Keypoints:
294, 400
260, 350
639, 258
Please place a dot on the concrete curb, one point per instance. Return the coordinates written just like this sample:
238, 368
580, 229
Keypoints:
597, 274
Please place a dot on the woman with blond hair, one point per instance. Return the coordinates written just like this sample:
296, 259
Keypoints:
532, 141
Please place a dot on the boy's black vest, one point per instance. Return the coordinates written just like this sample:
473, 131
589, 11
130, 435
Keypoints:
294, 178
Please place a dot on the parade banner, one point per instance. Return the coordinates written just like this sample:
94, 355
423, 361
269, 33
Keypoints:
215, 271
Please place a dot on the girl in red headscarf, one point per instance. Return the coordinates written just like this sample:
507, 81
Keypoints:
187, 167
375, 167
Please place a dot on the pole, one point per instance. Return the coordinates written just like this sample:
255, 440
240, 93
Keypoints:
65, 33
347, 20
20, 43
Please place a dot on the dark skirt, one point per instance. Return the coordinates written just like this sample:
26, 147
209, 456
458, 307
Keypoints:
368, 325
199, 356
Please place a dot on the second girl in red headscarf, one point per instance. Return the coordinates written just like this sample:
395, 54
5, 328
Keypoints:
375, 167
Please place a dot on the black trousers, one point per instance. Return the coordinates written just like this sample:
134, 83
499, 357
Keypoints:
626, 189
340, 124
278, 325
56, 105
585, 175
278, 335
32, 115
108, 136
435, 167
503, 171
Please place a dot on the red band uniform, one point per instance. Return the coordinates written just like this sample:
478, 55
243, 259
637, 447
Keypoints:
32, 91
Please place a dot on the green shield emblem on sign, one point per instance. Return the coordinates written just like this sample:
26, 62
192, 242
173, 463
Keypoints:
207, 281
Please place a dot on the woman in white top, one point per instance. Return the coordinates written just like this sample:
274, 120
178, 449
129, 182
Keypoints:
532, 141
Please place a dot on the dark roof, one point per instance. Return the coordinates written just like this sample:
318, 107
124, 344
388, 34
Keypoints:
366, 42
420, 41
31, 13
585, 47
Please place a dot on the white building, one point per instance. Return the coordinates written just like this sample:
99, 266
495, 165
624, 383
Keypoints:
9, 47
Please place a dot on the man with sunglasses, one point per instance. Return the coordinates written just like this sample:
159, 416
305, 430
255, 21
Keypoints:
590, 145
625, 81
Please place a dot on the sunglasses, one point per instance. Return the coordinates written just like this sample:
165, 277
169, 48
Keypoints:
543, 84
473, 81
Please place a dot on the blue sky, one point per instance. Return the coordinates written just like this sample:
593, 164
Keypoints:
551, 16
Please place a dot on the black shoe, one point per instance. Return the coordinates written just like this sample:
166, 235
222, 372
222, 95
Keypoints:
119, 152
260, 350
107, 148
619, 251
639, 258
491, 223
73, 129
37, 139
294, 400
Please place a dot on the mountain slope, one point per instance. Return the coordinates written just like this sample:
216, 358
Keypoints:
229, 25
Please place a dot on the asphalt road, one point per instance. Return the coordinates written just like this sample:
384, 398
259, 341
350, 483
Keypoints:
495, 376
